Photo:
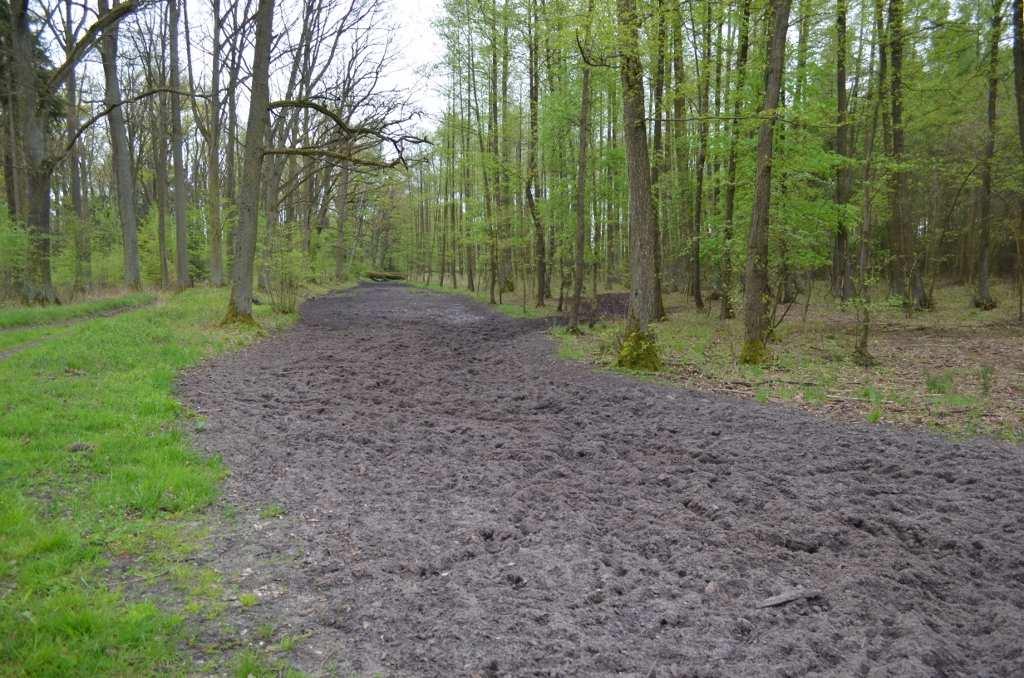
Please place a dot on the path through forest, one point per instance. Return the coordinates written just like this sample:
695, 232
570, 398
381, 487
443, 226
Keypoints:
458, 501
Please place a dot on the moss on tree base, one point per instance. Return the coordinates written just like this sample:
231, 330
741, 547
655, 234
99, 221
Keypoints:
233, 317
639, 351
754, 352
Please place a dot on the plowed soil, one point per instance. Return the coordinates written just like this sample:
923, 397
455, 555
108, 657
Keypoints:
459, 501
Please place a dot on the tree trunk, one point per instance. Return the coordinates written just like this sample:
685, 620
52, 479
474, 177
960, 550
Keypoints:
160, 166
83, 251
1018, 90
213, 158
756, 296
31, 133
531, 159
906, 275
240, 304
181, 262
983, 295
704, 88
680, 143
581, 187
726, 310
124, 177
658, 87
341, 200
842, 285
643, 303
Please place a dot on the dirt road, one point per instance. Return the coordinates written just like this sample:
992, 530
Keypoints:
458, 501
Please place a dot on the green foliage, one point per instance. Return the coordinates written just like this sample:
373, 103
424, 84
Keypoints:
106, 258
149, 248
13, 249
639, 351
283, 265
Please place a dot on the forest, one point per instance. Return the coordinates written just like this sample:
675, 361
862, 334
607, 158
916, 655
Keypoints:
648, 337
873, 146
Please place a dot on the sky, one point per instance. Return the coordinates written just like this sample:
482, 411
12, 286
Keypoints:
419, 50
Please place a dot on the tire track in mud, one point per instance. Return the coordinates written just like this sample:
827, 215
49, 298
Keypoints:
461, 502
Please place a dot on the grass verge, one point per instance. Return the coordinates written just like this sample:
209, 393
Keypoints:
98, 485
24, 316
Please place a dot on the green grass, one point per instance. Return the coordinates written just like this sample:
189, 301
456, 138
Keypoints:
42, 315
250, 663
271, 511
12, 339
940, 384
248, 599
99, 489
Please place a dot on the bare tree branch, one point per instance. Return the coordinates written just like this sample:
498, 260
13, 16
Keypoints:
106, 111
76, 53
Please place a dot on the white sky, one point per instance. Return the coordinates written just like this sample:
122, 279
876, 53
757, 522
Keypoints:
419, 50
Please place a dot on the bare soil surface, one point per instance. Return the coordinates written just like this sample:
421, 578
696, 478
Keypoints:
458, 501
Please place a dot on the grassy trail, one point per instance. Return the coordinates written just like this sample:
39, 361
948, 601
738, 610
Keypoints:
99, 485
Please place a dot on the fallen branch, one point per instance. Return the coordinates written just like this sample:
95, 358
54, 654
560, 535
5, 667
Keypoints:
789, 596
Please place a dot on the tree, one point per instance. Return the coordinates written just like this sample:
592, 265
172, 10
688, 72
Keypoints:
1018, 90
703, 131
643, 302
531, 167
121, 156
240, 303
183, 276
841, 279
581, 187
756, 319
983, 295
31, 108
907, 282
743, 52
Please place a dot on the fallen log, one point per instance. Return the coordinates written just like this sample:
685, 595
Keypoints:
380, 276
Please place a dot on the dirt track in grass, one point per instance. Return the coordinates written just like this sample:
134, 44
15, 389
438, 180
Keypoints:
458, 501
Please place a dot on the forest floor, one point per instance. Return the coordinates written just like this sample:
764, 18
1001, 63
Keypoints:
957, 370
418, 486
